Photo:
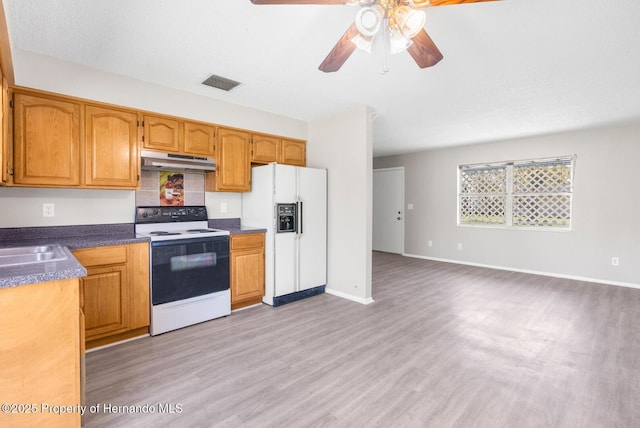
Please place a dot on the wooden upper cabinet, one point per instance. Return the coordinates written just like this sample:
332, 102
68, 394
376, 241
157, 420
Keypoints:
293, 152
111, 152
199, 139
46, 141
233, 161
161, 133
264, 148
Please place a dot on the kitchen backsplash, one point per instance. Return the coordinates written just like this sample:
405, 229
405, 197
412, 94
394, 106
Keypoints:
149, 193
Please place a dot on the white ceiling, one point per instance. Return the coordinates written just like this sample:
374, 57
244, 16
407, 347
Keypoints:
511, 68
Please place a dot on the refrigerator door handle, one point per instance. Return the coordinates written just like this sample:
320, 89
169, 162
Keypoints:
300, 217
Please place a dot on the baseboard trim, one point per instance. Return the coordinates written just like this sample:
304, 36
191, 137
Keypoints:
119, 342
349, 296
534, 272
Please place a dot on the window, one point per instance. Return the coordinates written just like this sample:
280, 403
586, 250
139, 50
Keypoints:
517, 194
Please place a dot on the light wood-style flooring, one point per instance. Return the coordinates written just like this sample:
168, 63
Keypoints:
444, 345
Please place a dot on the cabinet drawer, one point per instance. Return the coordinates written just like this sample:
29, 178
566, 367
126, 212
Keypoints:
99, 256
251, 240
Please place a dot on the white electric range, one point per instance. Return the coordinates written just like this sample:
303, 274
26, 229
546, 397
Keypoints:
189, 266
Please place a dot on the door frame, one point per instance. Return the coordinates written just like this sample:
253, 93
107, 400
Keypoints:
403, 210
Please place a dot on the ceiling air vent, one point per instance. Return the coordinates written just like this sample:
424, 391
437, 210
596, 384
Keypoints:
220, 83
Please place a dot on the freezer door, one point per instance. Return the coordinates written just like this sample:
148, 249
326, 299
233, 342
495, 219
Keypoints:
285, 267
285, 184
312, 228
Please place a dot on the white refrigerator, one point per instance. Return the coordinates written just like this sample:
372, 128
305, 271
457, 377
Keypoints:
291, 203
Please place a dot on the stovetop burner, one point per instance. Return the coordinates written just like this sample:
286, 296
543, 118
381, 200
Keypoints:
171, 223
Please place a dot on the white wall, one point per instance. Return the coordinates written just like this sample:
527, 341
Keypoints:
342, 144
606, 207
50, 74
23, 207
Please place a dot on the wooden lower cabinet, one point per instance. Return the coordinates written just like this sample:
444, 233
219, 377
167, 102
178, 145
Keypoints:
115, 293
40, 354
247, 269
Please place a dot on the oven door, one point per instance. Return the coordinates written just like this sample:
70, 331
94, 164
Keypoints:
185, 268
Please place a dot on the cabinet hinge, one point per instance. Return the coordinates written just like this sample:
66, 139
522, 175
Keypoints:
143, 138
11, 171
11, 103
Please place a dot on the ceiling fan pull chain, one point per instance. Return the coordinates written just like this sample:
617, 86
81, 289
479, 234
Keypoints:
386, 48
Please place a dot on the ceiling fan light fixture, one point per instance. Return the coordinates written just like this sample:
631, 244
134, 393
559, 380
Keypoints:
368, 20
409, 21
397, 42
363, 43
420, 3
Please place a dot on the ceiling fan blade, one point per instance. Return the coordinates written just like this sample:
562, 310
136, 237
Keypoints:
448, 2
299, 1
423, 51
340, 52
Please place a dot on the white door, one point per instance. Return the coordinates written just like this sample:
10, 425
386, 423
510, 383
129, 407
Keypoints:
388, 210
312, 239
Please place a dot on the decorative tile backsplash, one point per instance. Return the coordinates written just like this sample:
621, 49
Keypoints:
149, 193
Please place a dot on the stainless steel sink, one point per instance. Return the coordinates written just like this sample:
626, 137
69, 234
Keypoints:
15, 251
31, 254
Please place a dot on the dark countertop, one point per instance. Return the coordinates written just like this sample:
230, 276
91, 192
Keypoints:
69, 238
234, 226
75, 237
11, 276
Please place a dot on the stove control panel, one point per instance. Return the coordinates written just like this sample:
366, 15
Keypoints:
170, 214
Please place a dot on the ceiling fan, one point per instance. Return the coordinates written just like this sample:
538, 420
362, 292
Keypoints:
401, 22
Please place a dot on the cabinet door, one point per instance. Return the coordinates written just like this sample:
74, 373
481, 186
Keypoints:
199, 139
161, 133
247, 278
139, 285
4, 130
233, 169
106, 299
247, 269
46, 142
293, 152
40, 357
111, 151
264, 148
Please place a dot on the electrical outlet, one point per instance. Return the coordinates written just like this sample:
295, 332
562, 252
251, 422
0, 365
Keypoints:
615, 261
223, 207
48, 210
409, 206
430, 243
459, 246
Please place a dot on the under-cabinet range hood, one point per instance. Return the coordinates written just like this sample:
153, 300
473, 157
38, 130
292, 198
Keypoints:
157, 161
